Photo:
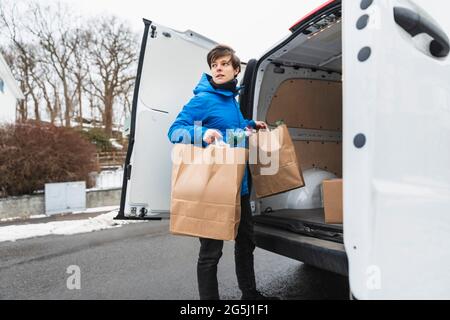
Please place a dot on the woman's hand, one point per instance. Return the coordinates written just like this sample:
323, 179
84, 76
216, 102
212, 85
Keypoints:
261, 125
211, 135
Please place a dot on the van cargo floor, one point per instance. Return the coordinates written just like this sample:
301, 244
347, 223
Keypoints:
307, 222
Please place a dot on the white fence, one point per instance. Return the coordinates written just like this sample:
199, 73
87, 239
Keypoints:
108, 179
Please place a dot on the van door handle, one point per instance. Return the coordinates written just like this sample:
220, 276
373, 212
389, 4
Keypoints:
415, 24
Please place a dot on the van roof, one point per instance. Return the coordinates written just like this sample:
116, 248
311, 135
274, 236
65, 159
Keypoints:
297, 24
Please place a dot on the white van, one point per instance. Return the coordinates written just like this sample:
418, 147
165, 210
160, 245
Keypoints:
364, 87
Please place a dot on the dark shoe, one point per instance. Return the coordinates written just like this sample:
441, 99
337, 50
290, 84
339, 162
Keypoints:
258, 296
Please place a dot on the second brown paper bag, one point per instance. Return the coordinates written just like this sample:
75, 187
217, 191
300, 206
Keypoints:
273, 162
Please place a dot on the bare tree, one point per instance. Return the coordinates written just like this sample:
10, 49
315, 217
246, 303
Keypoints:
66, 64
125, 101
49, 88
113, 50
79, 67
53, 26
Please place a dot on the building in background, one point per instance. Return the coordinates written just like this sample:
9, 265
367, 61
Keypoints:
10, 93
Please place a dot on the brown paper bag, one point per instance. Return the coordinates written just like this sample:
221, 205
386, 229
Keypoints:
206, 187
274, 167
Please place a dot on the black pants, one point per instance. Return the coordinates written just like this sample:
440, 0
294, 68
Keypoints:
211, 252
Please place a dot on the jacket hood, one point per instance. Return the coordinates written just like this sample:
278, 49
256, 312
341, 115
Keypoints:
205, 86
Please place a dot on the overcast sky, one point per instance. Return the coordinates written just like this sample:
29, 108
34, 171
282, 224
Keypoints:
250, 27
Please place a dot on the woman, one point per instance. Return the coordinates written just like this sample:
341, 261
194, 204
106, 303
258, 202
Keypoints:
214, 114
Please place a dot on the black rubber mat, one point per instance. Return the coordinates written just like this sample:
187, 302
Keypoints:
307, 222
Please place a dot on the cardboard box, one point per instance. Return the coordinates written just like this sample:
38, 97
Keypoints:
332, 201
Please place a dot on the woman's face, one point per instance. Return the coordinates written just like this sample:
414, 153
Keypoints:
222, 70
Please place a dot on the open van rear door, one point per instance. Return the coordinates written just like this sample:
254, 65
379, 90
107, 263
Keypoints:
170, 66
396, 70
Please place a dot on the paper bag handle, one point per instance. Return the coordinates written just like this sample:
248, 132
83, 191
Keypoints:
220, 143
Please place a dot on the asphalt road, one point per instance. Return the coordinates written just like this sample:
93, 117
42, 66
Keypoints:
143, 261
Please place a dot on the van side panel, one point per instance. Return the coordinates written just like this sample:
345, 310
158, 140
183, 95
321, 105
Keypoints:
396, 155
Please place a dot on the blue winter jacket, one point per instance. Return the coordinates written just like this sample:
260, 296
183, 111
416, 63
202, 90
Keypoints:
215, 109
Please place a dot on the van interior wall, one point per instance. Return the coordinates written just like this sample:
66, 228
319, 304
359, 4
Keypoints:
311, 104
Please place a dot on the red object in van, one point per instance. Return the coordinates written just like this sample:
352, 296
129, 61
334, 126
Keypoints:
297, 24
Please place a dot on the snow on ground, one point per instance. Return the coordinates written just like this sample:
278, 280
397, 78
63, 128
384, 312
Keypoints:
99, 209
38, 216
41, 216
101, 222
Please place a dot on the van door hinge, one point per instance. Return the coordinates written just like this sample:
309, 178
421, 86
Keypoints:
143, 212
153, 35
129, 171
